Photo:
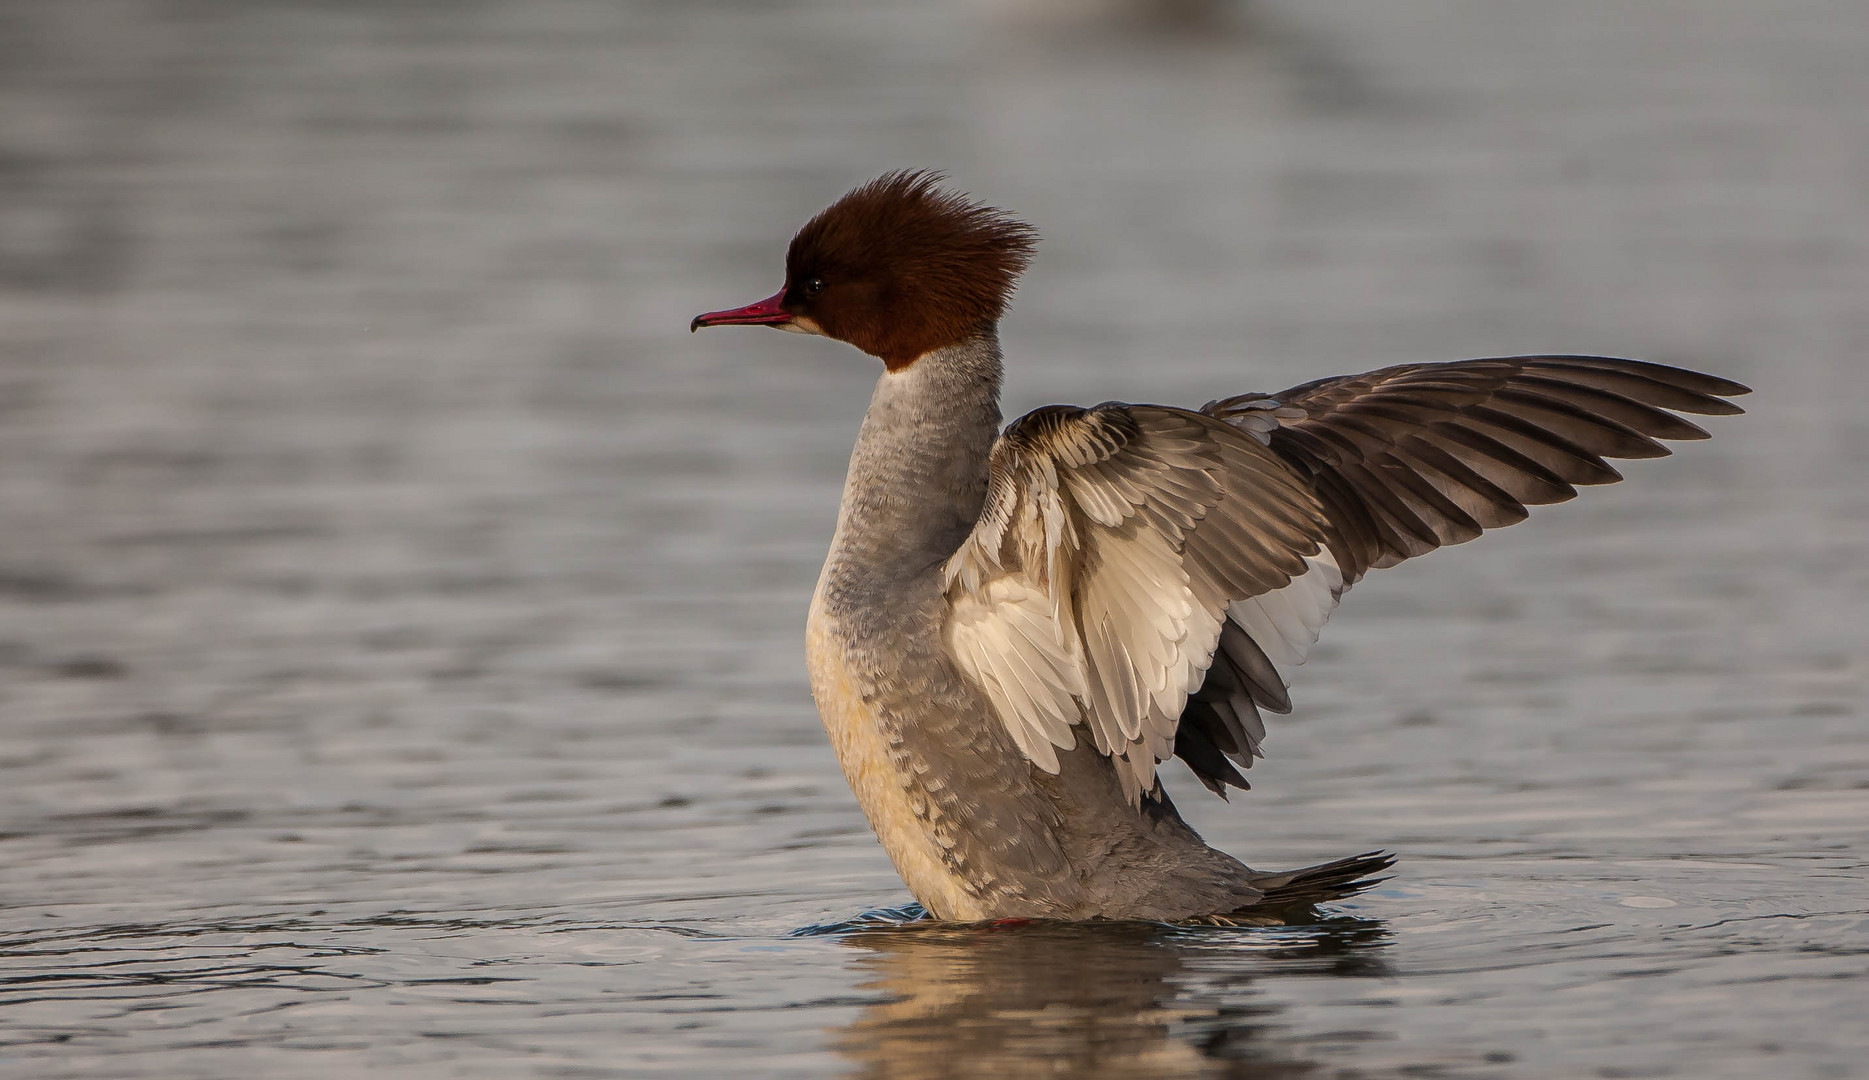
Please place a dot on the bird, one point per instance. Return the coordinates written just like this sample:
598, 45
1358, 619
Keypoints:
1015, 629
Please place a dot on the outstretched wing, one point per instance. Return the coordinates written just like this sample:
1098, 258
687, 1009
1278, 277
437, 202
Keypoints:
1094, 589
1415, 457
1139, 570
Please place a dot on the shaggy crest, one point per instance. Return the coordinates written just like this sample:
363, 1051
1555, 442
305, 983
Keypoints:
900, 266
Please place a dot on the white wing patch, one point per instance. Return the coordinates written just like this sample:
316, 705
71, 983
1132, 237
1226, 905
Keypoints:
1285, 622
1012, 645
1147, 639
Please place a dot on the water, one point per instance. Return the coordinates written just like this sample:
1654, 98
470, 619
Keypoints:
400, 613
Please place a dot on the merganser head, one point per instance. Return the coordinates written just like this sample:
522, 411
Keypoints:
898, 267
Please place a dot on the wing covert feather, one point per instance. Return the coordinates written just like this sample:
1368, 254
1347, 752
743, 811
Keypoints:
1112, 542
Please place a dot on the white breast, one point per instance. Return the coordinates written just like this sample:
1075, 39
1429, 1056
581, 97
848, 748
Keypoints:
880, 786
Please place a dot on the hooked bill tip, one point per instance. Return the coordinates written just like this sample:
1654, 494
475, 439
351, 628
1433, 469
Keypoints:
767, 312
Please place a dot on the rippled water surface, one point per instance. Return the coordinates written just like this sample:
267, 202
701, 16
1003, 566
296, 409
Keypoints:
400, 613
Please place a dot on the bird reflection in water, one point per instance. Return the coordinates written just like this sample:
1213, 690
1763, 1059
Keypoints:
1089, 1000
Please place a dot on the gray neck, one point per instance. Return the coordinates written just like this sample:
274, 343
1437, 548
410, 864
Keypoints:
919, 472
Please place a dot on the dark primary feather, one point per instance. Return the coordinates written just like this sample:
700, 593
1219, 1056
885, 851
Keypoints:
1415, 457
1419, 456
1222, 718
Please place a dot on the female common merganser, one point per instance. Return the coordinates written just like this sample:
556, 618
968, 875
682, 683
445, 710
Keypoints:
1014, 629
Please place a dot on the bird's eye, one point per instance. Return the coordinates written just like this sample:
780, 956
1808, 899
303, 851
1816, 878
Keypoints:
814, 286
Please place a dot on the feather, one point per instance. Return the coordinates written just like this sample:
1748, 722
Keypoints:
1141, 570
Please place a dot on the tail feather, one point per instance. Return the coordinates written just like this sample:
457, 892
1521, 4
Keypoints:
1323, 882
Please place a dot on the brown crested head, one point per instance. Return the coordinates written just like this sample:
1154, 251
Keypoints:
897, 267
900, 266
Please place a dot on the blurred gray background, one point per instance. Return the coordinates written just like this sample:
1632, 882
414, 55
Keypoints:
400, 613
